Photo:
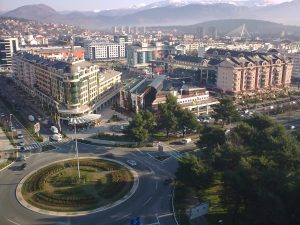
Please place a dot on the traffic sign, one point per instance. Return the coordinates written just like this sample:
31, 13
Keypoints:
135, 221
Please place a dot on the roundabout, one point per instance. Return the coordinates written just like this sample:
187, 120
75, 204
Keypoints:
56, 189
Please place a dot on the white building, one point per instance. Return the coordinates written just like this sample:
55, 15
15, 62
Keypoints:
7, 47
104, 50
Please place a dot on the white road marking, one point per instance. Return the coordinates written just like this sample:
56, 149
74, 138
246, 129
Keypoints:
145, 203
140, 151
157, 219
123, 217
149, 155
165, 215
156, 185
13, 222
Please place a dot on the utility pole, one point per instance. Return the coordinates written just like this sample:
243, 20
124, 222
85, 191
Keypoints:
12, 134
76, 149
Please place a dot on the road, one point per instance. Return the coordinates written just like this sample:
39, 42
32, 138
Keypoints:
151, 202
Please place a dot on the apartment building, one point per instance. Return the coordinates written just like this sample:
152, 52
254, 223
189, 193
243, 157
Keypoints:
73, 88
8, 46
96, 50
247, 73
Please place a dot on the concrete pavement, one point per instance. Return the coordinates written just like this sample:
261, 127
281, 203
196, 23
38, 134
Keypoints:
5, 146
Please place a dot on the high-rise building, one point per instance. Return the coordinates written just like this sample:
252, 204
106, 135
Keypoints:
114, 30
127, 29
199, 32
212, 32
8, 46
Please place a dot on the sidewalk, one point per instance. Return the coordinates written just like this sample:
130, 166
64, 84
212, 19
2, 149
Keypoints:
5, 146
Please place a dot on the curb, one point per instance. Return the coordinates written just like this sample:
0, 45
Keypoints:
7, 166
79, 213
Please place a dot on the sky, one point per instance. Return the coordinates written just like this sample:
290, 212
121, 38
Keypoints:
86, 5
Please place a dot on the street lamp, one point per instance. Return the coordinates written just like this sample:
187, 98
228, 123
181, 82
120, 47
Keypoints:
12, 134
76, 149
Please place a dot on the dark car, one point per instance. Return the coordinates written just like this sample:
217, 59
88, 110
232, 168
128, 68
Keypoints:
23, 166
168, 181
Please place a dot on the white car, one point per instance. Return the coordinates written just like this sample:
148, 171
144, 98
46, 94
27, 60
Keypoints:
131, 162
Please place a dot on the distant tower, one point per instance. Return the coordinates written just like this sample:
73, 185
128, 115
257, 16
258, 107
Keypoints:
212, 32
199, 32
127, 29
114, 30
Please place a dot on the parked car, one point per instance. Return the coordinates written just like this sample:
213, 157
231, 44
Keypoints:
168, 181
186, 140
23, 166
56, 137
131, 162
54, 129
20, 135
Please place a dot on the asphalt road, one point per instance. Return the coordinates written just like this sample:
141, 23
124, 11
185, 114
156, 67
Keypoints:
151, 202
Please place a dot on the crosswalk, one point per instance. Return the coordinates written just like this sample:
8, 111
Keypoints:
40, 145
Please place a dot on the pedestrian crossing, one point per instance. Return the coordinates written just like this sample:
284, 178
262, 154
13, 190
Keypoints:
40, 145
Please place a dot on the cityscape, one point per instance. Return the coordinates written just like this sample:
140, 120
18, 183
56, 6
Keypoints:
172, 112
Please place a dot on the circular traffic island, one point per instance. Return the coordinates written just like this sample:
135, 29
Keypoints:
57, 188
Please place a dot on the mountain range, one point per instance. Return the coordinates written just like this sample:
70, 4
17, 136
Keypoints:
170, 12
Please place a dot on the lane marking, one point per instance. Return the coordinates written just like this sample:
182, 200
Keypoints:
140, 151
156, 185
123, 217
157, 219
13, 222
165, 215
145, 203
149, 155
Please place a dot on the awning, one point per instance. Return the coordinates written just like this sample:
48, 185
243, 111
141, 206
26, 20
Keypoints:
84, 119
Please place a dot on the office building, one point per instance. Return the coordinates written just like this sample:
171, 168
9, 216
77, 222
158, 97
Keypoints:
141, 54
95, 50
8, 46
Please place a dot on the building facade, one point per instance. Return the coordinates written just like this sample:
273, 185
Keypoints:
8, 46
74, 88
252, 73
141, 54
104, 51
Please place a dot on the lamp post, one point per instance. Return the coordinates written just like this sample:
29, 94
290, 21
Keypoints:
76, 149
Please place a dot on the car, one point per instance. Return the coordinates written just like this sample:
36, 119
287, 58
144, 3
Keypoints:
168, 181
23, 166
22, 149
20, 136
21, 143
131, 162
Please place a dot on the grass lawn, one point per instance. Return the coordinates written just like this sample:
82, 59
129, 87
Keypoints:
57, 187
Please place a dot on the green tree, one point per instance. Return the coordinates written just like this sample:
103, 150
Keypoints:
186, 120
226, 111
193, 172
167, 119
136, 128
149, 121
211, 137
